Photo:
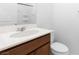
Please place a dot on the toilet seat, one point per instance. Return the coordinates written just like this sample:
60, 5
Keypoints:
59, 47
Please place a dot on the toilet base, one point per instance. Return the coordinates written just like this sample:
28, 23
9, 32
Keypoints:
56, 53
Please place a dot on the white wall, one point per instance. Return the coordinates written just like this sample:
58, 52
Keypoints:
44, 15
64, 18
8, 13
8, 10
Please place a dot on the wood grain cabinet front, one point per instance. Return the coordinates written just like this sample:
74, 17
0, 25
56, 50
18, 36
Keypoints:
40, 44
44, 50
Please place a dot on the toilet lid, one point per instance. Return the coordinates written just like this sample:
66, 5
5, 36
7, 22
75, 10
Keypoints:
59, 47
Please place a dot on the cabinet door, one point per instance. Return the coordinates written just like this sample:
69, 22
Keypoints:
32, 53
43, 50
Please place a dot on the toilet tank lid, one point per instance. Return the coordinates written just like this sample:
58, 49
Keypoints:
59, 47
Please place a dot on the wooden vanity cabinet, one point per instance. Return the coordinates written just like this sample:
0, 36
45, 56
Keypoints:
43, 50
38, 46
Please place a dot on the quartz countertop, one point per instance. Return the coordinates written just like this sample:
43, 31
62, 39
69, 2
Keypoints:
6, 41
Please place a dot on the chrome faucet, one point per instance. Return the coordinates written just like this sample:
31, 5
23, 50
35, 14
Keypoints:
21, 29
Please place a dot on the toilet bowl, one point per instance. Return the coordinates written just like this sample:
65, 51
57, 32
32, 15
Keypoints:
58, 48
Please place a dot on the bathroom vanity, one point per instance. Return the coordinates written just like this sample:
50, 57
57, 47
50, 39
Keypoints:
39, 45
23, 38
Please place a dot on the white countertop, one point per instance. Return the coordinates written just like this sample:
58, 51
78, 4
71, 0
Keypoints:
7, 42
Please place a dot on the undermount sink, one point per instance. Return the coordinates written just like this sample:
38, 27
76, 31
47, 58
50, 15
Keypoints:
24, 33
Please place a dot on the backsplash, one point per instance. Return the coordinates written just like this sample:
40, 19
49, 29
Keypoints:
11, 28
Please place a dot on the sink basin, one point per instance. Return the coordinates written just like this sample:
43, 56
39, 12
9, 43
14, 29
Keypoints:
24, 33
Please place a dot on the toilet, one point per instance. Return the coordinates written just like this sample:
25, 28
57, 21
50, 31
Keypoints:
58, 48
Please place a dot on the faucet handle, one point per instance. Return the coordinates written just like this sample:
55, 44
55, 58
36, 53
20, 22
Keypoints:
23, 28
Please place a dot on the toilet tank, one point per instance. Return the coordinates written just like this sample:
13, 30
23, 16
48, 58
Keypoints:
52, 38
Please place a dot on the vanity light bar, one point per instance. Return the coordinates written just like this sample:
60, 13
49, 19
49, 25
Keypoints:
25, 4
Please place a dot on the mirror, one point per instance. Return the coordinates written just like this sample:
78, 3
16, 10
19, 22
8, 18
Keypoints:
17, 13
26, 13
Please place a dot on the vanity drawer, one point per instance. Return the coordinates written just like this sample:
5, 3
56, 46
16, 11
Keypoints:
44, 50
27, 47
